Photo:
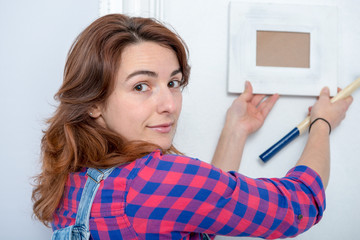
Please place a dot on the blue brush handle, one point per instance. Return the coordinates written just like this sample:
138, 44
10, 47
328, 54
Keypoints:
279, 145
300, 129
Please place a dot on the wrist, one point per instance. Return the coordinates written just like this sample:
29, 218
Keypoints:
235, 131
320, 123
236, 126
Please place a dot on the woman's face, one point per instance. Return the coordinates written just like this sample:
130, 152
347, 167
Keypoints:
146, 102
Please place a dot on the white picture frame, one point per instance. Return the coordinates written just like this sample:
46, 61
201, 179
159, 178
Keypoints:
321, 22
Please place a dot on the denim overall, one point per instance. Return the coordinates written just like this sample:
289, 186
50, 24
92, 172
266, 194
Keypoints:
80, 230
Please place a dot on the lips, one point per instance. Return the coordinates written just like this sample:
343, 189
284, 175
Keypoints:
162, 128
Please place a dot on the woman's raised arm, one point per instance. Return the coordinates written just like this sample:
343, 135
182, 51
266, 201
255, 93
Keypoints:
245, 116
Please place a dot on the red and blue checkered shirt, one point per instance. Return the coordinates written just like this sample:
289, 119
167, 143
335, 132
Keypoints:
177, 197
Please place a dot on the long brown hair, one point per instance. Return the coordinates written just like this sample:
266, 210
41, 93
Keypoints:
73, 139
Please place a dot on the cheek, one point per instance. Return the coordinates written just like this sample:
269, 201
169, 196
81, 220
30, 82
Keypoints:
129, 113
117, 113
179, 103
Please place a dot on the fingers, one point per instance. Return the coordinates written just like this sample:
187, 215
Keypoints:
266, 106
248, 92
309, 110
249, 96
257, 99
347, 102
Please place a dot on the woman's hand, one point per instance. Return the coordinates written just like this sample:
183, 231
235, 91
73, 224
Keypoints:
334, 113
316, 154
245, 116
248, 112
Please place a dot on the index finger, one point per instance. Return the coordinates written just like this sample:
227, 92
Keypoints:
266, 106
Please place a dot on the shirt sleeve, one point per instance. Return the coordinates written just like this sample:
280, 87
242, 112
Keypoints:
170, 194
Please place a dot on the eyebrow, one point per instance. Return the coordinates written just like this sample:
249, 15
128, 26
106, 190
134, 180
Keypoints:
150, 73
175, 72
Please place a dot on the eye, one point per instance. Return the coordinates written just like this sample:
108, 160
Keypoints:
174, 84
141, 87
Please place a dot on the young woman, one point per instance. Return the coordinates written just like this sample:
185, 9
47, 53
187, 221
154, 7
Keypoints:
119, 107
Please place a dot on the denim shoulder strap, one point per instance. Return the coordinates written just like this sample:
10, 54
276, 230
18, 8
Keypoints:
95, 176
80, 230
204, 236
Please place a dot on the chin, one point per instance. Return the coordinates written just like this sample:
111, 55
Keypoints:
165, 146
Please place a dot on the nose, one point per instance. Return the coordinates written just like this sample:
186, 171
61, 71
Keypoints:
167, 101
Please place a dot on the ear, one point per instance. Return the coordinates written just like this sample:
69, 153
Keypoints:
95, 111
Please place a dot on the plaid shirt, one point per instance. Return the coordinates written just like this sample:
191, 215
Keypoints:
177, 197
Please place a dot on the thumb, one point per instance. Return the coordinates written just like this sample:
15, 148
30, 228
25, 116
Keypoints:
325, 92
247, 94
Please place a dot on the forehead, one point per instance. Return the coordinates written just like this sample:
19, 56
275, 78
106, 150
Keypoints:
147, 55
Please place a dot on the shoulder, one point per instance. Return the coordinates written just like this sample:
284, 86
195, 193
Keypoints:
161, 161
164, 172
158, 164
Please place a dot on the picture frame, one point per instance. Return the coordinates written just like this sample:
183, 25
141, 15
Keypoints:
246, 18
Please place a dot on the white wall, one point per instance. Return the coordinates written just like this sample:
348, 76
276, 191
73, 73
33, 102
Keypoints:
34, 39
203, 25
